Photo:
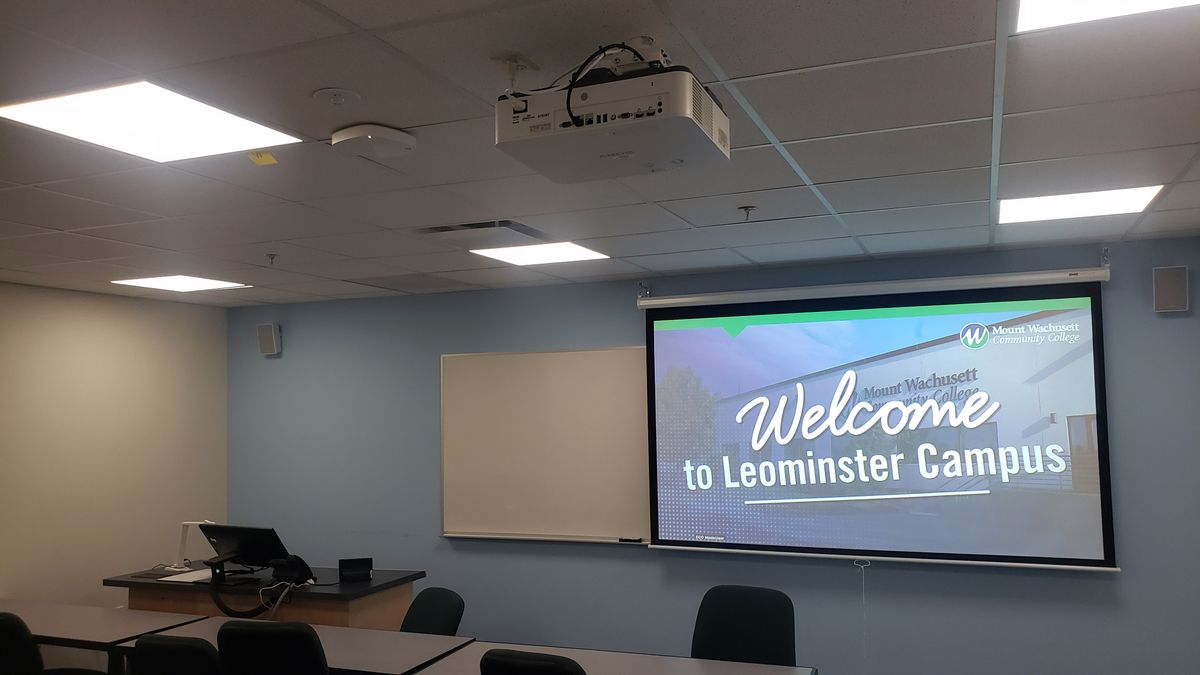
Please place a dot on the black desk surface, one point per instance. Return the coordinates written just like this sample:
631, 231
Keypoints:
381, 580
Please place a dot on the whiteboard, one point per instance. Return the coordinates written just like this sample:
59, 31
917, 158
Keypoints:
546, 445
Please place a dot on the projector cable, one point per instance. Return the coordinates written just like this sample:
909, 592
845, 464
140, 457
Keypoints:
586, 66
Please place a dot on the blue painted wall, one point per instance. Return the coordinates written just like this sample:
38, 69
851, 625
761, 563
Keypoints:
336, 444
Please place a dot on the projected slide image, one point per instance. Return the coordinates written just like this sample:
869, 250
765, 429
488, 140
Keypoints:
958, 429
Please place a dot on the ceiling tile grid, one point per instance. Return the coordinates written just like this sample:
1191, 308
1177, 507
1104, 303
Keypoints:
886, 107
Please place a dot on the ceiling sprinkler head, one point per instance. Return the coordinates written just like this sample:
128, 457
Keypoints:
746, 211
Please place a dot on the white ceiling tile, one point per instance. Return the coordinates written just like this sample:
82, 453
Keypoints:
14, 259
257, 294
34, 156
257, 254
8, 229
147, 36
919, 89
488, 237
457, 152
534, 194
553, 35
1153, 53
419, 283
783, 34
742, 130
843, 247
34, 206
279, 222
162, 190
747, 170
373, 244
926, 240
32, 67
617, 220
1089, 173
173, 234
450, 261
943, 187
166, 263
768, 205
329, 287
91, 271
1180, 196
1169, 223
265, 276
957, 145
671, 241
303, 172
375, 14
1070, 229
500, 276
940, 216
1194, 173
777, 231
74, 246
275, 88
348, 268
1113, 126
408, 209
595, 270
720, 258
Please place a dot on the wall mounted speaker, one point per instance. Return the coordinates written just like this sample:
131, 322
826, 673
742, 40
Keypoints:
1171, 289
269, 342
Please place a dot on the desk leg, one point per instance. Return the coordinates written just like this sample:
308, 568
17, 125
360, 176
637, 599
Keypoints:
116, 663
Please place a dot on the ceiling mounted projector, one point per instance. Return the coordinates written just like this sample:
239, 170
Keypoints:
373, 141
619, 115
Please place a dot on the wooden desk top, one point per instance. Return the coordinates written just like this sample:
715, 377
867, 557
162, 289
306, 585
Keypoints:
354, 650
381, 580
466, 662
87, 627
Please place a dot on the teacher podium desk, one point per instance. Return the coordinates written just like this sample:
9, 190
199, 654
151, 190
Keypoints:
379, 603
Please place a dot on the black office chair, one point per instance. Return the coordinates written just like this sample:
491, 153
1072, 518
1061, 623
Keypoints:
436, 611
168, 655
270, 648
19, 653
512, 662
746, 624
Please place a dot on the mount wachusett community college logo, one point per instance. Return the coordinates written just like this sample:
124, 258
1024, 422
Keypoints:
974, 335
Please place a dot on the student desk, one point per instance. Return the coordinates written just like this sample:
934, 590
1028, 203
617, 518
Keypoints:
379, 603
353, 650
466, 662
95, 628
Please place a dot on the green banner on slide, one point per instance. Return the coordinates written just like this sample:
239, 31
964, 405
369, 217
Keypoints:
734, 325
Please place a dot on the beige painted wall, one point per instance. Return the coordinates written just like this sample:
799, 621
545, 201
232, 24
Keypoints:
112, 431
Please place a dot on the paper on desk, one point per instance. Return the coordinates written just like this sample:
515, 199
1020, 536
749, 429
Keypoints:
198, 575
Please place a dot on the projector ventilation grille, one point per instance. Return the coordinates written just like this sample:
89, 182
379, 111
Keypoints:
701, 107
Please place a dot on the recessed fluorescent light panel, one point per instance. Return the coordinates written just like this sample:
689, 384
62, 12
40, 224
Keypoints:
540, 254
181, 284
146, 120
1035, 14
1078, 205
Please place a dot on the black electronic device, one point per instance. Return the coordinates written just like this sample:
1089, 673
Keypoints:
292, 569
355, 569
249, 546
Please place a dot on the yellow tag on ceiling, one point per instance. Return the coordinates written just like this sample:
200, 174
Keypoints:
262, 158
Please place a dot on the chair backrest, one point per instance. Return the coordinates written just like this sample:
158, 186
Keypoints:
747, 624
169, 655
270, 648
512, 662
18, 652
436, 611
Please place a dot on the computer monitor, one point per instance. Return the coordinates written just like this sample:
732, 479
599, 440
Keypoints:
249, 546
